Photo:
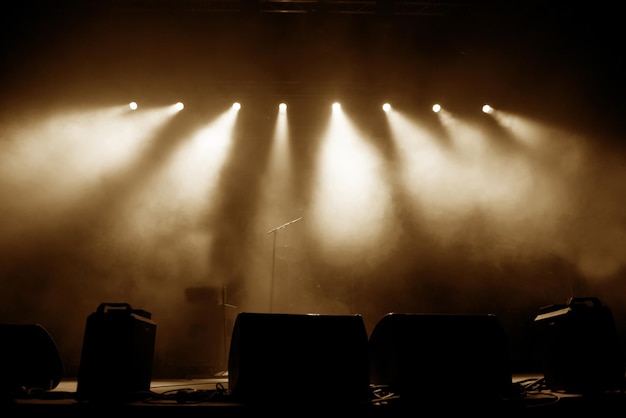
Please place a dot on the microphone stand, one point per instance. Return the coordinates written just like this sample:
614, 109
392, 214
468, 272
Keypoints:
275, 232
225, 330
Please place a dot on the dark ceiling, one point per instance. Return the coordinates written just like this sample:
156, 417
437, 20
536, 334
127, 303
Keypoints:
533, 53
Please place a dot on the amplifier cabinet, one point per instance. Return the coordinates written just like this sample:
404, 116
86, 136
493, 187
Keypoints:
578, 346
117, 353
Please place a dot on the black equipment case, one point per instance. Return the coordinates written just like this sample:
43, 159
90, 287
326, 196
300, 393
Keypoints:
431, 358
579, 347
29, 359
299, 359
117, 353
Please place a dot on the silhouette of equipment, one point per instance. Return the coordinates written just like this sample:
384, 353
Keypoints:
117, 354
303, 359
579, 347
30, 359
431, 358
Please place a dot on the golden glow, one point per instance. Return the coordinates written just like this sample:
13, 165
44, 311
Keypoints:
281, 133
71, 156
536, 135
468, 140
275, 208
188, 181
280, 149
450, 184
573, 216
351, 199
422, 164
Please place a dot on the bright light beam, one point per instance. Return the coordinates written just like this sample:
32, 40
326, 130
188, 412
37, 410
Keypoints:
193, 171
278, 174
276, 203
178, 197
423, 164
351, 199
66, 155
280, 144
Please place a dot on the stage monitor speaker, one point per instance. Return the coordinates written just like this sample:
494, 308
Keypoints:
579, 347
441, 358
304, 359
29, 359
117, 354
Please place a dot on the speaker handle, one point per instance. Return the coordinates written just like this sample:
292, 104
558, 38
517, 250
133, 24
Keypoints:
102, 308
588, 301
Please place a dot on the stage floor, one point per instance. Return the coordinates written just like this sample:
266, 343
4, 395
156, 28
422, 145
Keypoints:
209, 397
161, 386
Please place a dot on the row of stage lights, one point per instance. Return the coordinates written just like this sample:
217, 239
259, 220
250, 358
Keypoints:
282, 107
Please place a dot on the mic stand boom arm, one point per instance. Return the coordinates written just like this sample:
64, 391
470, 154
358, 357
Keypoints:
275, 232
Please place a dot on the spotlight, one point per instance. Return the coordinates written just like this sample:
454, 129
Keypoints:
236, 106
487, 109
436, 108
282, 107
336, 106
133, 106
179, 106
386, 107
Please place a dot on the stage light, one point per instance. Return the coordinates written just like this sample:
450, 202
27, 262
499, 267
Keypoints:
436, 108
348, 178
133, 106
487, 109
236, 106
336, 107
282, 108
386, 107
179, 106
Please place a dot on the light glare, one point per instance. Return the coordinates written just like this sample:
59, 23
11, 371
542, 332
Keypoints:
133, 106
347, 181
436, 108
282, 108
487, 109
386, 107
